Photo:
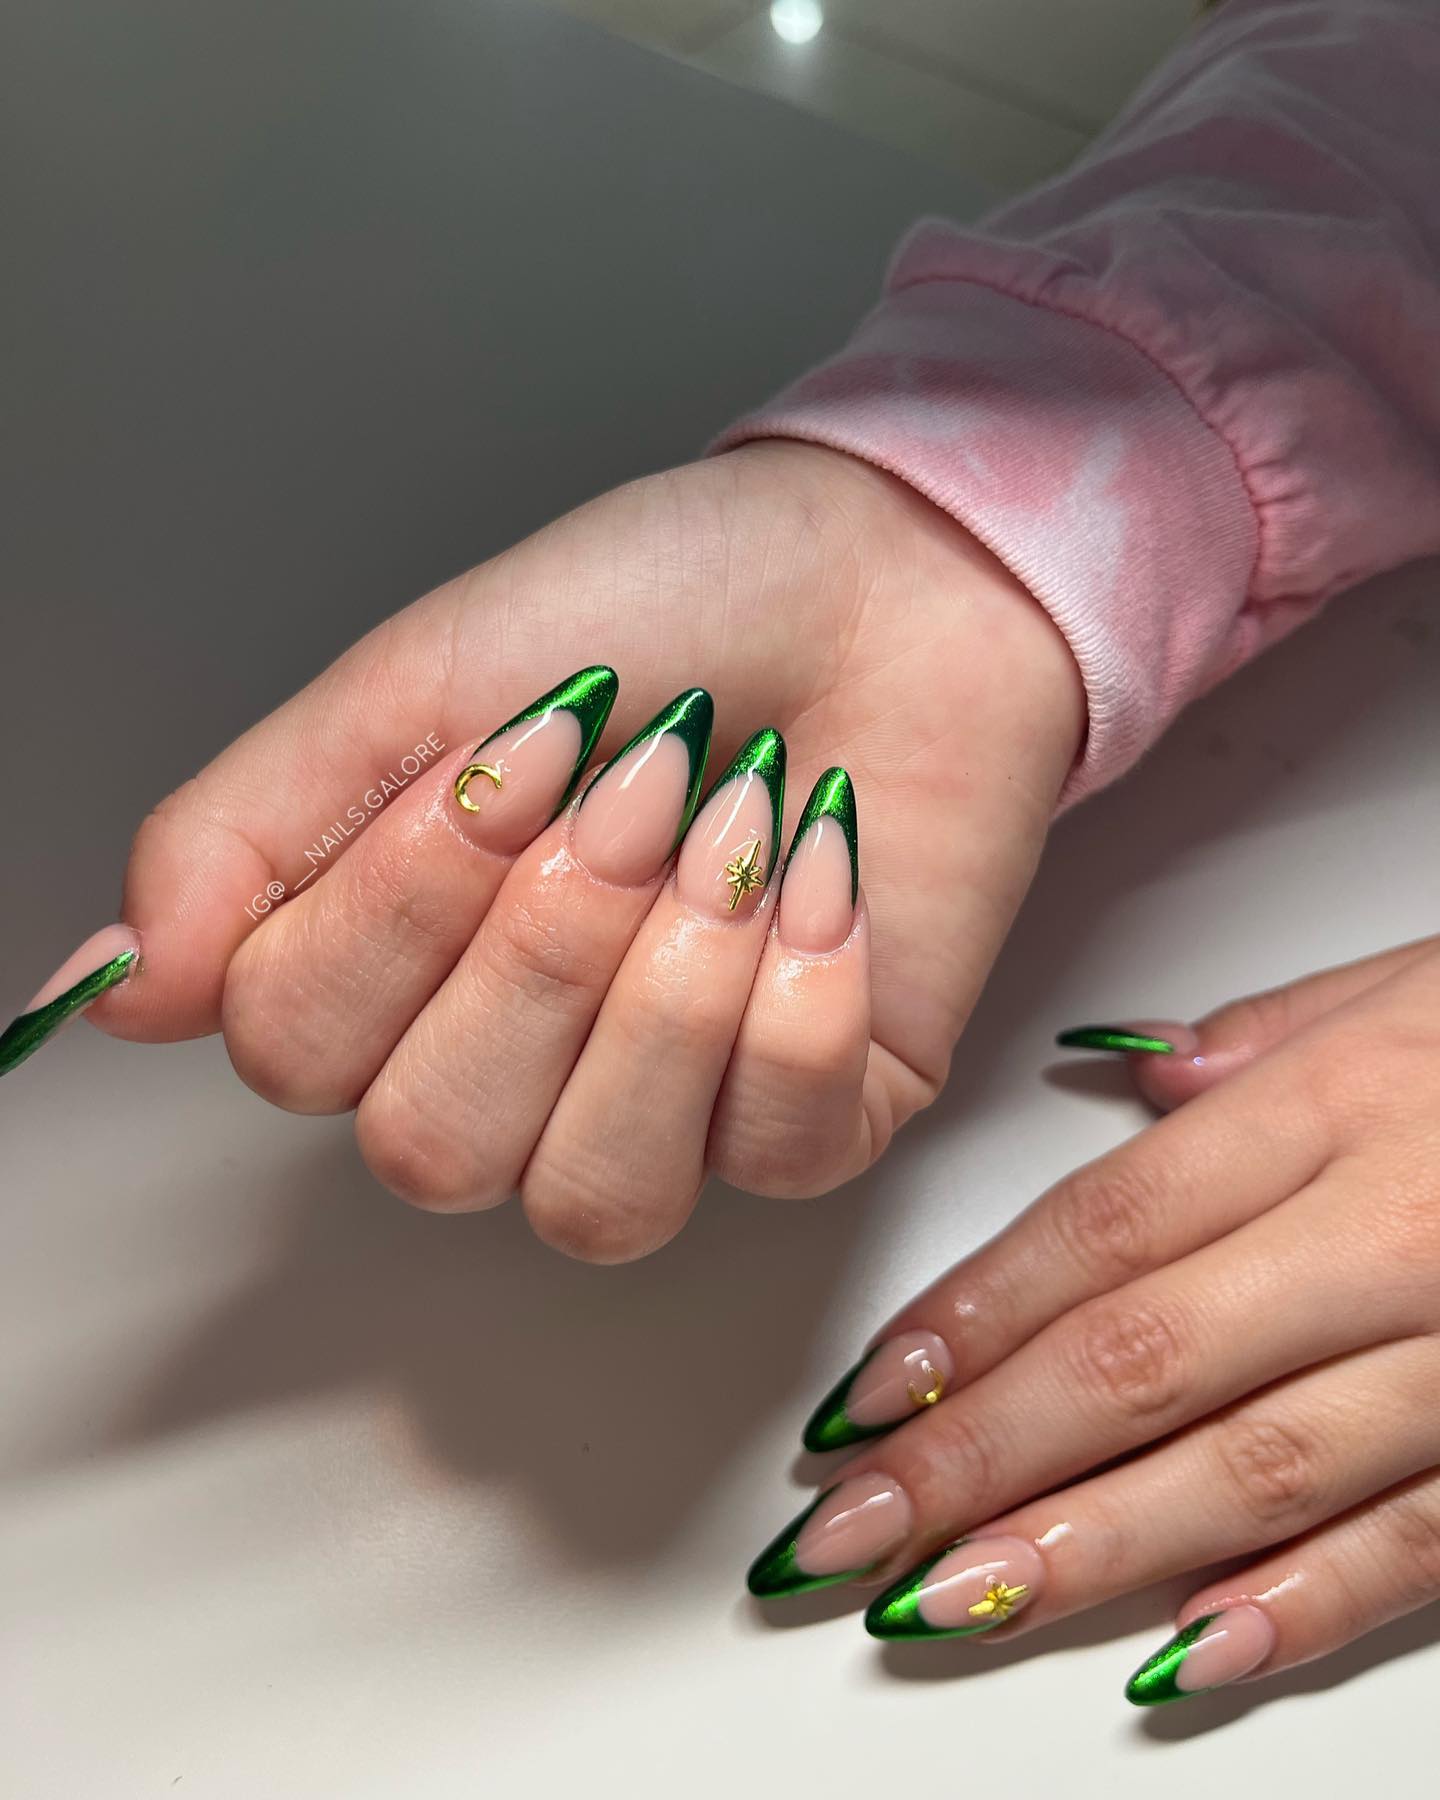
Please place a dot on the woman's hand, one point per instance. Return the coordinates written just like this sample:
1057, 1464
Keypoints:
1243, 1302
515, 1003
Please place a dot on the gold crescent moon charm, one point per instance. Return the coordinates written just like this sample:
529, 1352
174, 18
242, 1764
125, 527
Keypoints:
467, 775
932, 1393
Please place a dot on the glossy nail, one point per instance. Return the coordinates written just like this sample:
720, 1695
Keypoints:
970, 1587
632, 817
101, 963
822, 872
897, 1379
849, 1530
1159, 1040
1205, 1654
729, 852
522, 776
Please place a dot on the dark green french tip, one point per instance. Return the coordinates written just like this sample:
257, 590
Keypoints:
775, 1571
1112, 1037
690, 716
26, 1034
762, 755
896, 1613
833, 797
590, 694
830, 1427
1153, 1683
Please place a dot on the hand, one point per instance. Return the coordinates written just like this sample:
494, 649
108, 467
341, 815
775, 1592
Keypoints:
504, 1009
1243, 1301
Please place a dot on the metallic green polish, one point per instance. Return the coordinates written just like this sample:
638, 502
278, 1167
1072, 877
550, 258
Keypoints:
589, 695
830, 1427
1153, 1683
775, 1571
762, 755
690, 716
833, 797
896, 1614
27, 1033
1112, 1037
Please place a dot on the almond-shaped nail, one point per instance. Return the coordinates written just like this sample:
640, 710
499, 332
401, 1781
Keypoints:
1205, 1654
821, 882
729, 852
970, 1587
1142, 1039
101, 963
898, 1378
522, 776
850, 1529
633, 815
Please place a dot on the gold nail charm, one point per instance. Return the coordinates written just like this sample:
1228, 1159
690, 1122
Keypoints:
467, 775
998, 1602
744, 873
933, 1393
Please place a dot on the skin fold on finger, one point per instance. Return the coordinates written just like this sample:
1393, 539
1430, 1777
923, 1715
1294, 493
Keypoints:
1277, 1463
621, 1161
1185, 1182
458, 1108
316, 1000
790, 1120
1196, 1057
1124, 1371
1348, 1577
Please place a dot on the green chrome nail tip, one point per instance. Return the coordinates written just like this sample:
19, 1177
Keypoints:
775, 1571
690, 716
833, 797
830, 1427
762, 755
589, 695
1153, 1683
1112, 1037
896, 1614
24, 1036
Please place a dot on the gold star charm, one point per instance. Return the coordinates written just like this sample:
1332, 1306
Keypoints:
467, 775
744, 873
932, 1393
999, 1602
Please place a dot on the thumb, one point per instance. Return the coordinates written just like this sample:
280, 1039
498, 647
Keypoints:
1195, 1057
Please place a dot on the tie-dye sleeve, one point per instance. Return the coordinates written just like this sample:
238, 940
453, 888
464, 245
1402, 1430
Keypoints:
1190, 388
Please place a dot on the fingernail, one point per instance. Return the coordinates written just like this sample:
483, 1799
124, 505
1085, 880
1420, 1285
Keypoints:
522, 776
634, 814
822, 872
729, 852
101, 962
1143, 1037
968, 1588
1205, 1654
849, 1529
900, 1377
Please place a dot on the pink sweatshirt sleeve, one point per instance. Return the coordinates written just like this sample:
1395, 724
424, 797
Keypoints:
1190, 388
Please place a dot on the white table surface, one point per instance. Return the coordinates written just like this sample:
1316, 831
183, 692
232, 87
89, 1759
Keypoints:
308, 304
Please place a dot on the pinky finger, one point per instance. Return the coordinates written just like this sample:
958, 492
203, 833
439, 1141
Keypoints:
789, 1120
1348, 1577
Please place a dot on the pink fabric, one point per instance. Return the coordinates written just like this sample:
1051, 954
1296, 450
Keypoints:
1190, 388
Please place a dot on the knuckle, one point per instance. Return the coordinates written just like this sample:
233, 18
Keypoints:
777, 1141
959, 1464
1274, 1471
1104, 1218
427, 1168
1130, 1356
531, 952
583, 1213
1414, 1523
